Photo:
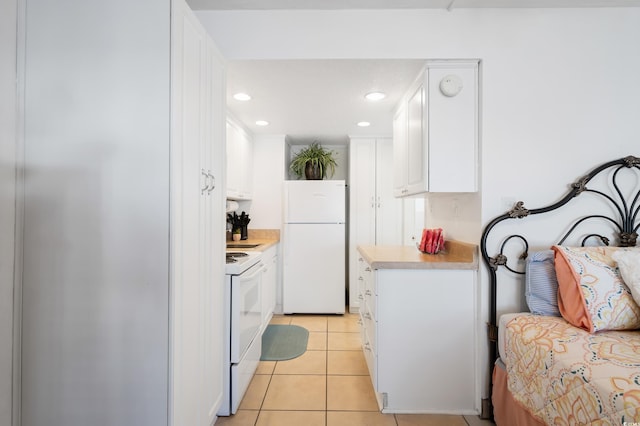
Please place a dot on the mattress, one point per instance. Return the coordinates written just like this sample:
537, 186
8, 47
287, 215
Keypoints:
564, 375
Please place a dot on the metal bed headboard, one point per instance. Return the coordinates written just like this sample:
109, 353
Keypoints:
622, 200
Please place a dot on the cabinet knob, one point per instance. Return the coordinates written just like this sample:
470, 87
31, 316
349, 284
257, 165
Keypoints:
368, 292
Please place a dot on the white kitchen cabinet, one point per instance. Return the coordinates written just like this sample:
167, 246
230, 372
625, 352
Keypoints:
436, 131
239, 162
418, 331
122, 307
269, 283
197, 240
375, 215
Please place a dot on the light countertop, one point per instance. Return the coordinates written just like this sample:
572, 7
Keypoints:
456, 255
264, 238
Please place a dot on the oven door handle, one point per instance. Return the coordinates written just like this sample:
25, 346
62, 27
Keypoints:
258, 269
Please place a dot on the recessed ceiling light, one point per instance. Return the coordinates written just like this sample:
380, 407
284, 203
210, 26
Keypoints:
375, 96
262, 123
364, 124
241, 97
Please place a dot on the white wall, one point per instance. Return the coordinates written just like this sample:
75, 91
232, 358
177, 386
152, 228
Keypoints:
457, 214
8, 19
559, 87
96, 213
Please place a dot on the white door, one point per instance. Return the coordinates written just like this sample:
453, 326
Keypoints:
314, 269
388, 217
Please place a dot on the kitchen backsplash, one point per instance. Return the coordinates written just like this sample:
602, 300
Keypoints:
267, 234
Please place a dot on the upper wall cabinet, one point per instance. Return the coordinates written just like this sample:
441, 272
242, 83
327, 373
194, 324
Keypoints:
435, 131
239, 162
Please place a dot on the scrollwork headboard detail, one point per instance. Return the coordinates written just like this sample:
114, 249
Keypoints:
622, 221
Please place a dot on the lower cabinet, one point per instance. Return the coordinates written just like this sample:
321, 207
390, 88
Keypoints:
419, 331
269, 283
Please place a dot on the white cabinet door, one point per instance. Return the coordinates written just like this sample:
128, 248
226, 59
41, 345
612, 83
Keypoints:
410, 149
187, 184
434, 334
436, 134
375, 214
400, 151
197, 240
213, 235
453, 130
234, 180
388, 228
239, 162
417, 149
269, 283
362, 202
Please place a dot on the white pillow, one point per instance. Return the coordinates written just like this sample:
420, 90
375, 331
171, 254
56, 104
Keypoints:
629, 266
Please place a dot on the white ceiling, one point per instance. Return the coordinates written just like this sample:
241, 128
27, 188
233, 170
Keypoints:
326, 97
318, 97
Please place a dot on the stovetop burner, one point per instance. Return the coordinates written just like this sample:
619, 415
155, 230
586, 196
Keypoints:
236, 254
238, 261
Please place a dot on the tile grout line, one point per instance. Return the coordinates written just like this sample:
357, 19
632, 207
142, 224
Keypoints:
326, 377
265, 393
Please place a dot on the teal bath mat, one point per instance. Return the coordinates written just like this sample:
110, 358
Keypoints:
282, 342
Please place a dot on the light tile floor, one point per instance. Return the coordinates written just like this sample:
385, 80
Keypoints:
328, 385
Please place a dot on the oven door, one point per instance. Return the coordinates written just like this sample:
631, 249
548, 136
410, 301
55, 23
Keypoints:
246, 310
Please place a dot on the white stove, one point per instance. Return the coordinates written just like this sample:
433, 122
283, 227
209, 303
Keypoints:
240, 261
243, 319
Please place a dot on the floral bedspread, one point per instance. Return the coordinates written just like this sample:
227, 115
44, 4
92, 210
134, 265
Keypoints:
566, 376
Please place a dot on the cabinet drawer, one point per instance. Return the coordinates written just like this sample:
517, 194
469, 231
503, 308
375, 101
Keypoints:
361, 285
370, 326
371, 301
370, 294
371, 358
367, 275
368, 329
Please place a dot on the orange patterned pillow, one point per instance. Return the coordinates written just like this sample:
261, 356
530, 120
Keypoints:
591, 294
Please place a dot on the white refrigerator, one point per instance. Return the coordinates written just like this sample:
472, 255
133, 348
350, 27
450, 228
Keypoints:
314, 247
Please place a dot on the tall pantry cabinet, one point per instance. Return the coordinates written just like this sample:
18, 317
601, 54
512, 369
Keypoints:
375, 216
197, 222
123, 215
